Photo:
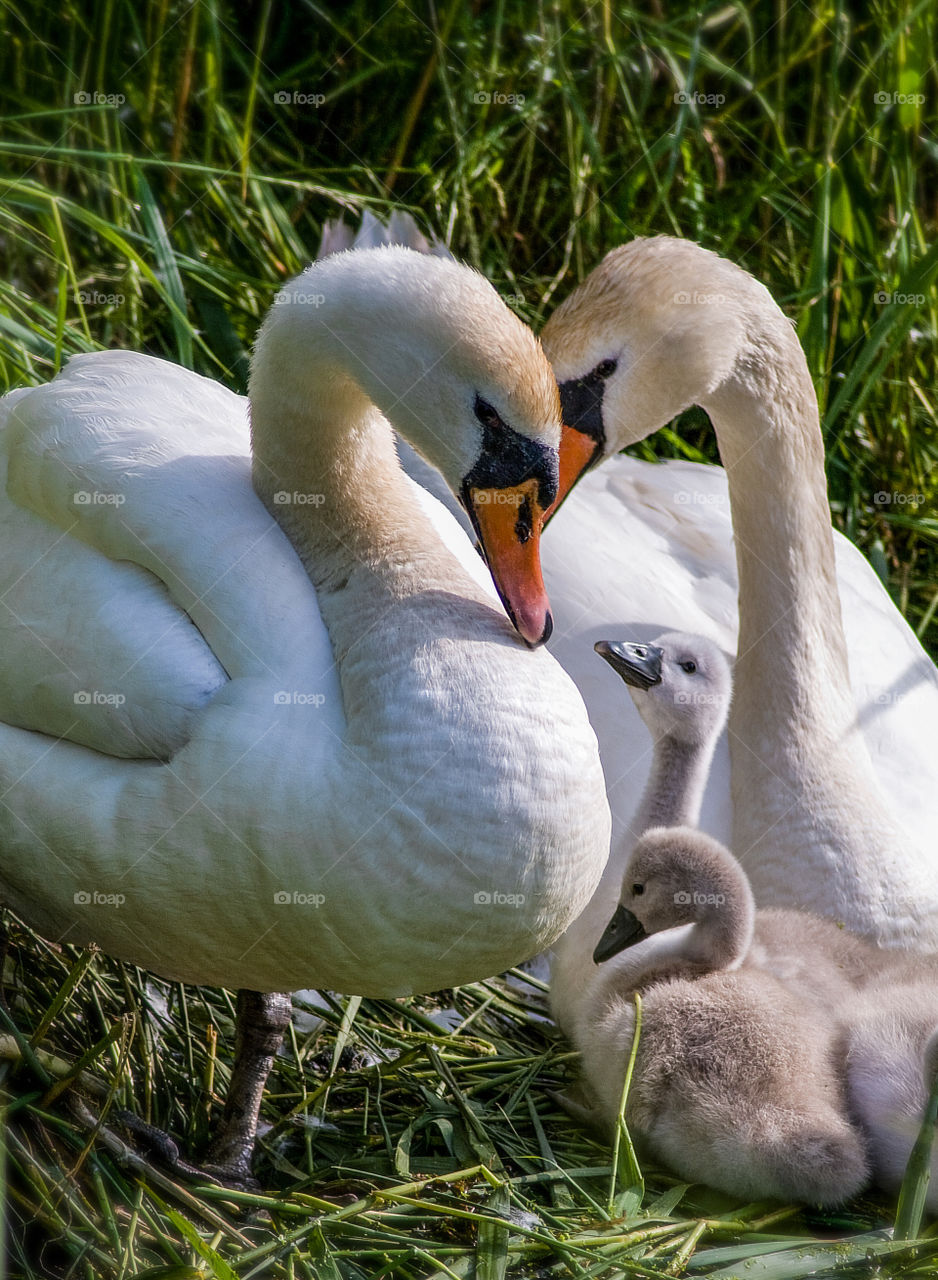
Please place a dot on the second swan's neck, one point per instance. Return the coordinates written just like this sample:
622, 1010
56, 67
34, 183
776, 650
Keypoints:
804, 790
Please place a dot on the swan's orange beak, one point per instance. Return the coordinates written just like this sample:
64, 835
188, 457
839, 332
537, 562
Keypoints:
578, 452
509, 523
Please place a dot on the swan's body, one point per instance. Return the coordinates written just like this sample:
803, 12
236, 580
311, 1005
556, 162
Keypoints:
306, 783
834, 767
892, 1061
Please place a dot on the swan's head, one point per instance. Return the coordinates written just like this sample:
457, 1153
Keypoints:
655, 328
681, 684
429, 342
677, 876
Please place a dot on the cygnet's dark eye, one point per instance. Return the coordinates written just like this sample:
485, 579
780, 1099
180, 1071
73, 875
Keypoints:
487, 415
689, 666
638, 889
605, 369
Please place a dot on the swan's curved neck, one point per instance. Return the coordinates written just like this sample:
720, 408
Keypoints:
674, 791
802, 780
766, 420
325, 465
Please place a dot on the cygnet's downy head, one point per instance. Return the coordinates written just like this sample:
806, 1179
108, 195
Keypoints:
677, 876
681, 684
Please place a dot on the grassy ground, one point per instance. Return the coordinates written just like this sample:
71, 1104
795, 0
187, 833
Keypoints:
163, 167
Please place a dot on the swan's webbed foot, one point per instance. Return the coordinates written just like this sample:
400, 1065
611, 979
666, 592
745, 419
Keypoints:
262, 1018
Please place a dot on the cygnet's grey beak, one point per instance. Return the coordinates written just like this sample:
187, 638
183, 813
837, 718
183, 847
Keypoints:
623, 930
638, 664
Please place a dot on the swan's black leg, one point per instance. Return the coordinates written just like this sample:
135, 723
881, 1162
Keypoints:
261, 1021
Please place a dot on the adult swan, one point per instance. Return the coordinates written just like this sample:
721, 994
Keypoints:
817, 820
306, 750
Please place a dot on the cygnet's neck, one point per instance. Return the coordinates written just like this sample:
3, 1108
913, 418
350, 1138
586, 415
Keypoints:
674, 791
722, 936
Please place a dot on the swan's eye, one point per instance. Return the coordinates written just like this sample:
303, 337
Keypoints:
689, 666
638, 889
605, 369
487, 415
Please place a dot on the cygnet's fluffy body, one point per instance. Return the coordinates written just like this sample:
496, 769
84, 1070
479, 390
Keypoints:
737, 1082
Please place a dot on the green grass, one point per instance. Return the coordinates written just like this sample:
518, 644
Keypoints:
397, 1148
164, 222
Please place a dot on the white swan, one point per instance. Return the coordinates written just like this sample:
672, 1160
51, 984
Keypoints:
659, 325
833, 775
892, 1062
234, 760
